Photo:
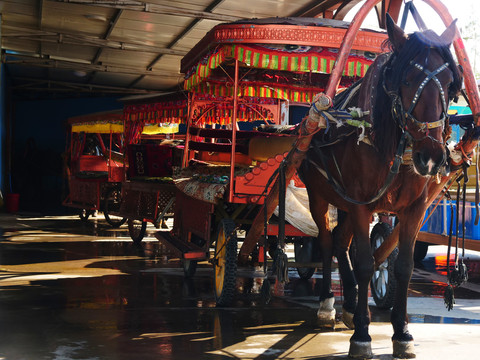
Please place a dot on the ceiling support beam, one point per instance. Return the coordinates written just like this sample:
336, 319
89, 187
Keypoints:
345, 8
63, 86
154, 8
107, 34
85, 40
37, 60
186, 30
317, 8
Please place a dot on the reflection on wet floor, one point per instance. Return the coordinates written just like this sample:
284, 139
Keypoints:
73, 290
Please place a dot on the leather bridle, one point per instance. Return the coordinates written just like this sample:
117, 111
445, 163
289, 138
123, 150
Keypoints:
402, 116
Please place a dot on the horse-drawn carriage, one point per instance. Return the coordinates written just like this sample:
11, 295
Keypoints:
242, 78
154, 149
95, 164
378, 147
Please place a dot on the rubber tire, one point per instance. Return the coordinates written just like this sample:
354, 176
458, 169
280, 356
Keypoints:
189, 268
383, 284
304, 253
85, 214
113, 205
137, 230
225, 263
420, 251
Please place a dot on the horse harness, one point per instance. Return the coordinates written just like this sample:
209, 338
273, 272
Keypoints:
400, 116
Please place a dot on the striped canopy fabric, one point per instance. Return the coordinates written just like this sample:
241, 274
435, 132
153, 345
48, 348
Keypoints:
291, 58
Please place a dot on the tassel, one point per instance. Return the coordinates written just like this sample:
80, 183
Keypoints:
448, 297
459, 275
265, 291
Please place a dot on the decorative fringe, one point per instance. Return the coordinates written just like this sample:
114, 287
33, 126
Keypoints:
459, 275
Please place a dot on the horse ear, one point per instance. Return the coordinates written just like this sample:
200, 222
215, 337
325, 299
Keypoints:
396, 34
449, 34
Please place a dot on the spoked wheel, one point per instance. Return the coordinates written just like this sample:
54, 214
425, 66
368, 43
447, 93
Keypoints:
85, 214
137, 229
304, 254
189, 267
225, 263
383, 282
112, 205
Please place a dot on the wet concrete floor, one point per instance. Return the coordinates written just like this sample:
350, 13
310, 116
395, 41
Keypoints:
74, 290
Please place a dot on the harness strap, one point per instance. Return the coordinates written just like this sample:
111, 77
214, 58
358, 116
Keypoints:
394, 169
430, 75
459, 274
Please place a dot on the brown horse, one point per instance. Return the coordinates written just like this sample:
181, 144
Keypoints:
406, 92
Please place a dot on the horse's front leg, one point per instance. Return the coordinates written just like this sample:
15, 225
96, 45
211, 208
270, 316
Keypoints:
342, 239
403, 346
326, 312
360, 342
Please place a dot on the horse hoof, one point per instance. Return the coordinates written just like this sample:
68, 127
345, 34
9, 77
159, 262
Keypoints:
403, 349
360, 349
347, 318
326, 313
326, 319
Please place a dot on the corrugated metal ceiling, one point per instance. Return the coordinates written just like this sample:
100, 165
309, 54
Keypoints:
121, 47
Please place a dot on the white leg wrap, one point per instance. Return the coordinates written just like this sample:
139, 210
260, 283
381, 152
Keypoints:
326, 312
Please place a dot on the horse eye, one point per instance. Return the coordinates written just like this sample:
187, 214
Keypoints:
406, 83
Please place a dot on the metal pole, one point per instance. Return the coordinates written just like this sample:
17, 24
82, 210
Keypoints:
234, 131
187, 135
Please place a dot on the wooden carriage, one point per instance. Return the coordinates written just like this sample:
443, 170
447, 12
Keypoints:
95, 165
154, 148
243, 78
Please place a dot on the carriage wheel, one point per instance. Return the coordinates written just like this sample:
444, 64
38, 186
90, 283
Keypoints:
85, 214
137, 229
189, 267
112, 204
225, 262
383, 282
304, 254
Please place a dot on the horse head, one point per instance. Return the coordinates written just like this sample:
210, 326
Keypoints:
421, 79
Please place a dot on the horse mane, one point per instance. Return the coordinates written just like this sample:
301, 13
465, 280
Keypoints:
386, 134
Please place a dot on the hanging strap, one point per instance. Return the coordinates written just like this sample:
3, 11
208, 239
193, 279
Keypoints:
410, 7
459, 274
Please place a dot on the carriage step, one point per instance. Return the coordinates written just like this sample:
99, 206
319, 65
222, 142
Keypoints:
183, 249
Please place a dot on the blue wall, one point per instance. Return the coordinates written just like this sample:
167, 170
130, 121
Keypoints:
39, 137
